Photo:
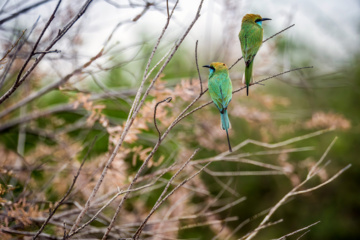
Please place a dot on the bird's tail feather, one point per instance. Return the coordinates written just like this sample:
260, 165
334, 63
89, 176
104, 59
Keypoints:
225, 125
227, 135
248, 76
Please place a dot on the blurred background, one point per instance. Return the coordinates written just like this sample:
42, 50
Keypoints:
43, 141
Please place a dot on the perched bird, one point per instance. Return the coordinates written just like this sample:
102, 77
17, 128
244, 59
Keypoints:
220, 89
250, 36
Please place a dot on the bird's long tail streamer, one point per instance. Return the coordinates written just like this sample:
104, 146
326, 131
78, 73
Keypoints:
248, 76
225, 125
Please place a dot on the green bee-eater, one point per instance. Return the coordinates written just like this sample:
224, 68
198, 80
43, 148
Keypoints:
251, 36
220, 89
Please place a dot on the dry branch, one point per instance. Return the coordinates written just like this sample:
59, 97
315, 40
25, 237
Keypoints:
295, 191
299, 230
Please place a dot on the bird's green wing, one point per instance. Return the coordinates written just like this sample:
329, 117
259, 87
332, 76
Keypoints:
250, 39
220, 89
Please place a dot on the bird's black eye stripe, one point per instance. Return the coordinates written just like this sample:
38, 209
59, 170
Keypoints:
212, 68
258, 20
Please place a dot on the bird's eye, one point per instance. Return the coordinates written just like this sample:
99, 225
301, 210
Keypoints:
259, 22
212, 69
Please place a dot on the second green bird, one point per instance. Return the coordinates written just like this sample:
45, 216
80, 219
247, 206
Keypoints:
251, 37
220, 89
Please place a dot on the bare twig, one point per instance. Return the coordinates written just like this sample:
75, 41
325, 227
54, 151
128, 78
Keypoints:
295, 191
315, 167
303, 234
262, 227
12, 47
197, 66
299, 230
147, 6
279, 32
23, 233
273, 76
24, 10
52, 212
165, 100
46, 52
324, 183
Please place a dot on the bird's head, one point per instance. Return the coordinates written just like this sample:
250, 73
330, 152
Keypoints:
216, 67
254, 18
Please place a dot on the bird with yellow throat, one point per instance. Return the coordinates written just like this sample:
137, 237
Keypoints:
251, 37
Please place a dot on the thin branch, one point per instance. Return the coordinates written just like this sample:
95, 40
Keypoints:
299, 230
46, 52
23, 233
24, 10
295, 191
279, 32
165, 100
248, 161
52, 212
197, 66
324, 183
158, 63
167, 8
280, 144
229, 219
273, 76
315, 167
262, 227
12, 46
146, 8
243, 173
303, 234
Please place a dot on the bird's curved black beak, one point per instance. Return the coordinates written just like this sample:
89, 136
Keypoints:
207, 66
265, 19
